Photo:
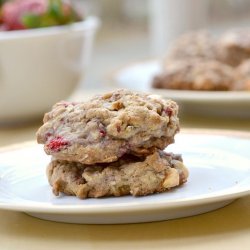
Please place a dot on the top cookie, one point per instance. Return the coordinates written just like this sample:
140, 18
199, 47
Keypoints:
109, 126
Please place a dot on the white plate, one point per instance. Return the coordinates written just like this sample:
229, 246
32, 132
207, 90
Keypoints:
219, 173
139, 76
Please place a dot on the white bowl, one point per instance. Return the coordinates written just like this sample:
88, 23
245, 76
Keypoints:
39, 67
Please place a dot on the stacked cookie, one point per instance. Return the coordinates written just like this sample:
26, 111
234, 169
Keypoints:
112, 146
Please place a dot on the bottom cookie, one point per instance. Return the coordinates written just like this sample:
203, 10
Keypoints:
155, 173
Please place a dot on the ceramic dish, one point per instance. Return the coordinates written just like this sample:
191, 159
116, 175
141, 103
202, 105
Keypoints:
139, 76
39, 67
219, 174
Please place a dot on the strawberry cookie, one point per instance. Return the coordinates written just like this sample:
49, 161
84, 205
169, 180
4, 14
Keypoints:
155, 173
108, 127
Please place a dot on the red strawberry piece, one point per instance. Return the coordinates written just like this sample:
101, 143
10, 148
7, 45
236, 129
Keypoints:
168, 111
13, 11
118, 128
57, 144
102, 132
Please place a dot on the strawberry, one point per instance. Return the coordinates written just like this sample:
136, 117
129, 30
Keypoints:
27, 14
57, 143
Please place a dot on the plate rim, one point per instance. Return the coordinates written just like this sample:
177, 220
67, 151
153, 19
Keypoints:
37, 207
190, 95
219, 196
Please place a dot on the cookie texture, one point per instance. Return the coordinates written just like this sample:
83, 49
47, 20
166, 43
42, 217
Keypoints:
195, 44
109, 126
234, 46
195, 75
155, 173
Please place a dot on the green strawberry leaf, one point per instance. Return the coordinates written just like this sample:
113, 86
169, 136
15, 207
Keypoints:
2, 2
55, 9
47, 21
55, 15
31, 21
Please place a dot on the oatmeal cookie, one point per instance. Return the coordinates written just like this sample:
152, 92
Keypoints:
155, 173
234, 47
109, 126
196, 44
195, 75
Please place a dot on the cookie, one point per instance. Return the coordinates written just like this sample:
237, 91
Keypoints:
234, 46
195, 44
155, 173
195, 75
109, 126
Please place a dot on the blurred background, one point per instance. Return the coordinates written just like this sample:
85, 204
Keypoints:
39, 67
136, 30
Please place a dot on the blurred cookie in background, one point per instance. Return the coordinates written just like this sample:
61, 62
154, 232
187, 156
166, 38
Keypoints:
234, 46
195, 74
195, 44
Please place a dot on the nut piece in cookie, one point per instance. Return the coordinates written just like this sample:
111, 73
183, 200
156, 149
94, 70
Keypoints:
108, 127
196, 75
155, 173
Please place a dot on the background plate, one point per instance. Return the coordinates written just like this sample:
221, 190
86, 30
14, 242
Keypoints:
219, 173
138, 76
